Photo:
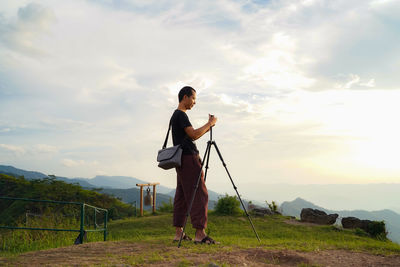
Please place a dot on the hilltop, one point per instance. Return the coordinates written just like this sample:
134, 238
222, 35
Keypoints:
146, 241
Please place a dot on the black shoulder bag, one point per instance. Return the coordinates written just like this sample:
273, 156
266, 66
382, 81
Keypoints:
169, 157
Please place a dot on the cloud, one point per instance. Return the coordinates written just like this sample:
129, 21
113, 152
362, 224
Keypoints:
388, 9
354, 81
72, 163
17, 150
28, 151
77, 163
61, 124
31, 22
43, 148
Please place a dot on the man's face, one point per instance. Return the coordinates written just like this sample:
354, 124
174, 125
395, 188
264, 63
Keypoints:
190, 101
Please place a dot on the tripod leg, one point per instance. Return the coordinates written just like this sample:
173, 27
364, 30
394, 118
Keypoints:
208, 158
234, 186
195, 190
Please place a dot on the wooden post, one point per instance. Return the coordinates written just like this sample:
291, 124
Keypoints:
141, 201
154, 198
141, 196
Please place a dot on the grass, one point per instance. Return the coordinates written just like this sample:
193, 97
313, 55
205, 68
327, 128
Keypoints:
233, 233
17, 241
237, 232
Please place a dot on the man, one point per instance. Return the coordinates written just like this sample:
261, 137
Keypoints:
187, 175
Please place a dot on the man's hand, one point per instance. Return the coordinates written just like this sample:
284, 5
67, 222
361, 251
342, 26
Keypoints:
212, 120
195, 134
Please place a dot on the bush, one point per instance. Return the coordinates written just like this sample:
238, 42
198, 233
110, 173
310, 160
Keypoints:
228, 205
273, 206
360, 232
377, 229
166, 207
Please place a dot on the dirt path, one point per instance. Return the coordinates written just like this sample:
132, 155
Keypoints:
124, 253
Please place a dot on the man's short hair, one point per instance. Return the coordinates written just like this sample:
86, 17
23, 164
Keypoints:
187, 90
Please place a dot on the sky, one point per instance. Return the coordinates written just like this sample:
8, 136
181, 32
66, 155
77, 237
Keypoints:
305, 92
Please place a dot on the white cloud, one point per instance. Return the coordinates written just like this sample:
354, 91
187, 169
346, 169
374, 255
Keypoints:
72, 163
31, 22
354, 81
370, 83
386, 8
18, 150
77, 163
43, 148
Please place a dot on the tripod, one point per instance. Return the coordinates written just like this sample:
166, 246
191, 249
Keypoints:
206, 159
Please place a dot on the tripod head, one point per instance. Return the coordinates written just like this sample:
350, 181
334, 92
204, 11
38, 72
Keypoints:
211, 129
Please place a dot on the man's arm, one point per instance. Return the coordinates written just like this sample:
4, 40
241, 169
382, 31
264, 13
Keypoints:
195, 134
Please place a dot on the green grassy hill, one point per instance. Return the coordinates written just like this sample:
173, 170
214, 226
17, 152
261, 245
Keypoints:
14, 212
276, 232
139, 241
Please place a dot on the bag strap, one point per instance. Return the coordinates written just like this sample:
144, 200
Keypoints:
166, 138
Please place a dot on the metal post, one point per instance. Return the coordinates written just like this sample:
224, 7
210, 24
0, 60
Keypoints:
141, 201
82, 223
95, 221
81, 231
154, 198
105, 225
135, 208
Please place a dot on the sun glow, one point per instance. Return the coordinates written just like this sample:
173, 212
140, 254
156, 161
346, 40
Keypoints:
362, 128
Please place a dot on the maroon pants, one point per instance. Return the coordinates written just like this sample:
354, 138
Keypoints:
187, 176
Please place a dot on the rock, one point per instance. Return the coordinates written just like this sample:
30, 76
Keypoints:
353, 222
317, 216
251, 206
261, 211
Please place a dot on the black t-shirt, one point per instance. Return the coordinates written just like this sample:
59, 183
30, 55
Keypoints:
180, 121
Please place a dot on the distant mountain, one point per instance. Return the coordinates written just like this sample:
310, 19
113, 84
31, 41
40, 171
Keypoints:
133, 194
372, 196
211, 194
123, 187
101, 181
391, 218
118, 182
294, 207
121, 182
27, 174
30, 175
126, 182
81, 182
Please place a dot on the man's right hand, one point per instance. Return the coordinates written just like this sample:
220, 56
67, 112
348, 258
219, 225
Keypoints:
212, 120
196, 134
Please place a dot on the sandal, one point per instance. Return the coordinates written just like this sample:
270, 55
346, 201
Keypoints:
206, 240
185, 237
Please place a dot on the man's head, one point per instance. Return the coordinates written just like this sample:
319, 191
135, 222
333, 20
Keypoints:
187, 97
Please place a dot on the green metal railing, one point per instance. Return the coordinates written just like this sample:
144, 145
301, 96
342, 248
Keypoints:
134, 203
82, 218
